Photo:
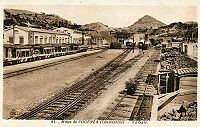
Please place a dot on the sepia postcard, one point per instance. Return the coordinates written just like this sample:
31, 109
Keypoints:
99, 63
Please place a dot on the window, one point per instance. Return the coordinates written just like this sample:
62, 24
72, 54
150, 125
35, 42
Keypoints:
41, 39
21, 39
60, 40
23, 53
56, 40
31, 39
50, 40
45, 40
53, 39
11, 39
36, 39
27, 53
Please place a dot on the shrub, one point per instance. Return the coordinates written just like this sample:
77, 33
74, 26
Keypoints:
130, 87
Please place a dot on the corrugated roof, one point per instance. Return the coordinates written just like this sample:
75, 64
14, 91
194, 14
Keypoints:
184, 71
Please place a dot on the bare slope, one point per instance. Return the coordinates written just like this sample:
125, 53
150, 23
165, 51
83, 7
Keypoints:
146, 22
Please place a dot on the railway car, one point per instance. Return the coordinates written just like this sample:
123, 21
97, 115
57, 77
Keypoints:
129, 45
83, 48
143, 45
21, 54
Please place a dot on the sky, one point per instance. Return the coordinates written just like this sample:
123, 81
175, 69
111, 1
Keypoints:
114, 16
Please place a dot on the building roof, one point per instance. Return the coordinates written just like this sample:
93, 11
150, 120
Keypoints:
38, 30
185, 71
63, 29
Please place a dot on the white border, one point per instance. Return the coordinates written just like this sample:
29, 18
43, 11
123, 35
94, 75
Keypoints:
43, 123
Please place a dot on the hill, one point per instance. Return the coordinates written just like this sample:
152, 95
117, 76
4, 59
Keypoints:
145, 23
99, 30
37, 20
98, 26
186, 30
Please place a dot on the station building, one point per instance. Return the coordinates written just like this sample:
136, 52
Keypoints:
25, 41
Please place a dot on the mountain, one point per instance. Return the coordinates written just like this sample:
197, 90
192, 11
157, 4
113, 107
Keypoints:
97, 26
145, 23
191, 22
33, 19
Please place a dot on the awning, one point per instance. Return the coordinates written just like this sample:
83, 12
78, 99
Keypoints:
185, 71
8, 45
48, 48
22, 49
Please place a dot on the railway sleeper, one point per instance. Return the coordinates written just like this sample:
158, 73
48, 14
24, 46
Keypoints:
70, 98
83, 102
126, 109
75, 94
119, 114
75, 107
49, 111
52, 108
56, 106
42, 115
64, 101
117, 118
38, 117
131, 97
80, 104
58, 103
72, 111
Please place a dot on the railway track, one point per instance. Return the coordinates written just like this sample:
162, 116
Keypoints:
110, 114
143, 105
71, 100
12, 74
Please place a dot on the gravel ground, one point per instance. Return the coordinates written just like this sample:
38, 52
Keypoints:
27, 89
100, 104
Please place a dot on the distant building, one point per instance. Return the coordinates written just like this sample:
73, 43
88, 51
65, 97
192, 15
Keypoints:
97, 39
138, 37
191, 49
76, 36
126, 39
141, 37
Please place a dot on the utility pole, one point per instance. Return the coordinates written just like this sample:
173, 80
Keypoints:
83, 33
13, 39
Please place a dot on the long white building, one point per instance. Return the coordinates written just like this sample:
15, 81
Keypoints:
25, 41
27, 35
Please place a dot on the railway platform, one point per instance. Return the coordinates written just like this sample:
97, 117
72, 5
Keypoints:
22, 66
